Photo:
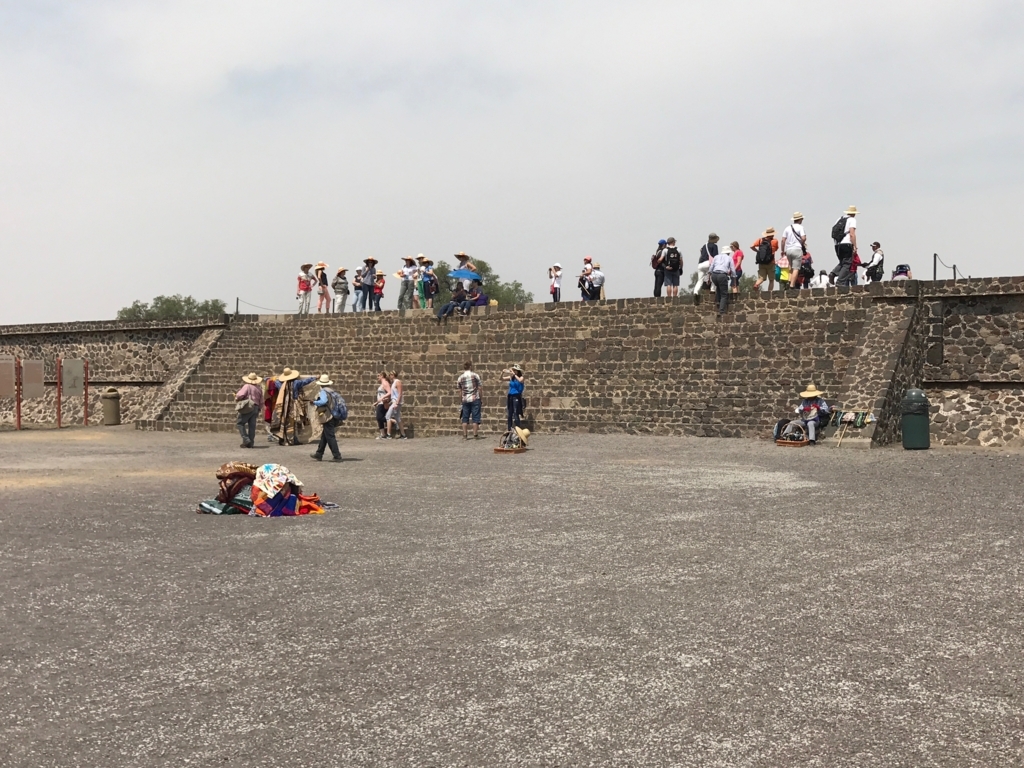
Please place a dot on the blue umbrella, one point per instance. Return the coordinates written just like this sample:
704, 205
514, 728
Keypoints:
464, 274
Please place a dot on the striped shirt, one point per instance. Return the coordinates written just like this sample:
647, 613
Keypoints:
469, 383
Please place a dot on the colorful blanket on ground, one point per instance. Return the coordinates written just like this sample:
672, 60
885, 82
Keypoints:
267, 491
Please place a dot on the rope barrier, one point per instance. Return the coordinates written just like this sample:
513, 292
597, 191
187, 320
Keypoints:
268, 309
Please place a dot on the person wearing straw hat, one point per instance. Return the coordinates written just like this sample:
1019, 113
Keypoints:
378, 289
281, 421
421, 291
844, 233
331, 411
465, 263
516, 381
431, 286
811, 410
794, 246
408, 287
365, 278
341, 290
248, 403
323, 301
555, 276
764, 256
305, 288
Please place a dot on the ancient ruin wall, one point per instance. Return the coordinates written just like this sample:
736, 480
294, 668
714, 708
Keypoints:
145, 361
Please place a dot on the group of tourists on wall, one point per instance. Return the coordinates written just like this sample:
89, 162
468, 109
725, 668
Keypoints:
417, 285
300, 409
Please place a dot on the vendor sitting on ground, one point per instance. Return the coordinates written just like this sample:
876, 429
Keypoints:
811, 410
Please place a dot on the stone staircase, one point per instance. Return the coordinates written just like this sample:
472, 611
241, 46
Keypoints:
658, 366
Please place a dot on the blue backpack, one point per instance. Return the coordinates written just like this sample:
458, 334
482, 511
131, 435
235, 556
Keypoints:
338, 408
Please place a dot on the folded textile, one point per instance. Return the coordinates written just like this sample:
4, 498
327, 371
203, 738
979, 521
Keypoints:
271, 478
239, 503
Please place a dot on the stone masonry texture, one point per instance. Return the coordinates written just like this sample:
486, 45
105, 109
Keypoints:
642, 366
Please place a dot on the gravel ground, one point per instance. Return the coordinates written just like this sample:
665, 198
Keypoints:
601, 600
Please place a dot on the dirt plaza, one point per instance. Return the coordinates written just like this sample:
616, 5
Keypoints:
601, 600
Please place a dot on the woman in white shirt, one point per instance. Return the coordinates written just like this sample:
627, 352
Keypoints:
555, 276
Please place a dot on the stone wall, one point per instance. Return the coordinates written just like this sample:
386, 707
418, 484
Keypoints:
145, 361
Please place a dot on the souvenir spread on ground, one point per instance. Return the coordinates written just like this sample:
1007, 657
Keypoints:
270, 490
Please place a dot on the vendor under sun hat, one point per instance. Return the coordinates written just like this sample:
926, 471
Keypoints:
288, 375
811, 392
524, 434
252, 378
324, 380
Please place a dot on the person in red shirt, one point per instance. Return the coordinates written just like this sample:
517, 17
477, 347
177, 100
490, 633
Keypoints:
737, 264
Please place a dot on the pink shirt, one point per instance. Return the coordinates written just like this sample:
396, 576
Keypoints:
253, 392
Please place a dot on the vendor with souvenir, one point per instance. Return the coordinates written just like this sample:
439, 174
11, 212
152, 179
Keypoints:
811, 411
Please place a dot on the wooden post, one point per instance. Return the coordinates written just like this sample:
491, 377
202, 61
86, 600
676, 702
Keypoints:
17, 391
59, 371
85, 420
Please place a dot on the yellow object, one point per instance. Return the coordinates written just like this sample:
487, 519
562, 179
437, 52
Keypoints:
493, 302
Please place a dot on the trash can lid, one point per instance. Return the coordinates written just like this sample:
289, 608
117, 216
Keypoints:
915, 395
111, 393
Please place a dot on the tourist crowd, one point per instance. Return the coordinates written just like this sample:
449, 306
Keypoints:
782, 258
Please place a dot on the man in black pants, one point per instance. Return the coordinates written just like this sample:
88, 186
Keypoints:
846, 247
657, 262
325, 402
722, 271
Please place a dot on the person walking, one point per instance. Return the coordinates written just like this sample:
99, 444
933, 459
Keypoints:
421, 291
844, 234
378, 290
248, 404
408, 286
341, 291
794, 247
672, 264
382, 403
303, 293
737, 265
331, 411
365, 279
722, 272
516, 381
708, 251
394, 412
431, 286
764, 256
555, 276
323, 300
659, 269
470, 386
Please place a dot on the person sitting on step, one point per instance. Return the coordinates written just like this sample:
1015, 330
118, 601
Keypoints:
811, 411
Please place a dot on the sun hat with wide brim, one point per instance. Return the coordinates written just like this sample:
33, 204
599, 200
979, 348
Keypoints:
324, 380
380, 273
342, 269
798, 216
851, 211
321, 265
306, 266
517, 368
368, 259
812, 391
252, 378
461, 255
524, 434
408, 258
421, 258
288, 375
769, 231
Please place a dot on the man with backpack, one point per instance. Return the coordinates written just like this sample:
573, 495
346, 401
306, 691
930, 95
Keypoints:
330, 412
659, 270
794, 247
764, 256
672, 263
844, 234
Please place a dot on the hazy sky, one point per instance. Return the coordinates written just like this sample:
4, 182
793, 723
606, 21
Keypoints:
208, 148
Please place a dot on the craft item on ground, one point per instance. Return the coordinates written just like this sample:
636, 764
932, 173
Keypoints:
513, 441
270, 490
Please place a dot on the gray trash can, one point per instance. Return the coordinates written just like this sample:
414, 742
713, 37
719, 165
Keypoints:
916, 434
111, 400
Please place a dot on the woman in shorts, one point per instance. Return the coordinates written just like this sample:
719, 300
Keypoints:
382, 404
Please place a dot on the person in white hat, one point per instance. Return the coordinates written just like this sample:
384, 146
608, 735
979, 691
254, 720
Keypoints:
248, 404
555, 276
811, 410
844, 233
794, 246
408, 285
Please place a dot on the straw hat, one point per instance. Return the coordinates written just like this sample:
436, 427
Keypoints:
517, 368
368, 259
461, 255
769, 231
321, 265
252, 378
324, 380
343, 269
408, 258
288, 374
304, 267
798, 216
524, 434
851, 211
421, 258
597, 266
380, 273
812, 391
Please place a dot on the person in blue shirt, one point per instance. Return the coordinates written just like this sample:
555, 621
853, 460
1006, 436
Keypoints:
515, 378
